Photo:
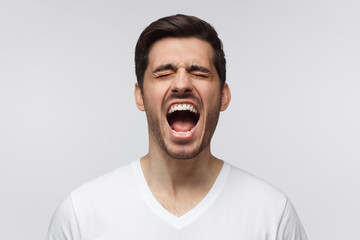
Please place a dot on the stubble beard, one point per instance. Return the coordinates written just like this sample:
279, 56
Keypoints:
182, 151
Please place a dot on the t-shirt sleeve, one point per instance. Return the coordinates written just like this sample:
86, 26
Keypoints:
290, 227
64, 225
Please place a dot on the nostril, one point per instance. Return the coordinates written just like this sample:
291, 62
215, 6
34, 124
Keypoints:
182, 87
188, 91
174, 90
181, 91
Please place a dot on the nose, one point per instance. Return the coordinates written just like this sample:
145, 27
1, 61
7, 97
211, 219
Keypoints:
181, 83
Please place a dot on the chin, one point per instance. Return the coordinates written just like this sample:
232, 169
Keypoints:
183, 152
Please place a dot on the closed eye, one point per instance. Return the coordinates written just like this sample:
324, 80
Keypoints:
199, 71
164, 71
201, 75
163, 75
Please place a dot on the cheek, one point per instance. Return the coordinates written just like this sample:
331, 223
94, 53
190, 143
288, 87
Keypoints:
210, 95
154, 97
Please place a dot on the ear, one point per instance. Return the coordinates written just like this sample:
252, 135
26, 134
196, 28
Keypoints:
139, 98
225, 97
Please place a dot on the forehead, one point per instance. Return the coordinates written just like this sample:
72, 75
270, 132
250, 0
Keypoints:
181, 51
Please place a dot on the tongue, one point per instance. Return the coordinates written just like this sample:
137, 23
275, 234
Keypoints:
183, 124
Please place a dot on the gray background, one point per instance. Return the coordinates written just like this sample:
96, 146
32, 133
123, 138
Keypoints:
67, 112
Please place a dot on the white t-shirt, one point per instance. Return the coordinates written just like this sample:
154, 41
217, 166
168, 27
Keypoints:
120, 205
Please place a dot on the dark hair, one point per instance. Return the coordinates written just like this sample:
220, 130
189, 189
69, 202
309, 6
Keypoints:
178, 26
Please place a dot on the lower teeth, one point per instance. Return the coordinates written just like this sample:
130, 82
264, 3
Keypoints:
182, 133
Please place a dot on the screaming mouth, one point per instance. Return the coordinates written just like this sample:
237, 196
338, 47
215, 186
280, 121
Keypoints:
182, 118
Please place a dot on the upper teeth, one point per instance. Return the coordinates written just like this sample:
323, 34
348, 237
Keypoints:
182, 107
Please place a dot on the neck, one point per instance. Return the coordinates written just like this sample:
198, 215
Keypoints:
179, 184
177, 176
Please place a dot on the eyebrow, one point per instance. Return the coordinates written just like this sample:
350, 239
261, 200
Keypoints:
190, 68
198, 68
164, 67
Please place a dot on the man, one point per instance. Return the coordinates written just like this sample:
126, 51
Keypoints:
179, 190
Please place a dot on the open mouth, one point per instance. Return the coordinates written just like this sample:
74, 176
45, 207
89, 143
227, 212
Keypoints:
182, 118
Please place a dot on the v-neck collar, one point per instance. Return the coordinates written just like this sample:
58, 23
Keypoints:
158, 209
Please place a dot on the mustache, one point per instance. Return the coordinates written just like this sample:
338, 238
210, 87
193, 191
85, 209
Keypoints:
182, 96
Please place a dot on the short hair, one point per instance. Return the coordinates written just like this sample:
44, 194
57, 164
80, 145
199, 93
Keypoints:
178, 26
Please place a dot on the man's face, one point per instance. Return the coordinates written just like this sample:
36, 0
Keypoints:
181, 96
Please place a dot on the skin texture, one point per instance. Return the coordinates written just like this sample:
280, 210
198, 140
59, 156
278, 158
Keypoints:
180, 170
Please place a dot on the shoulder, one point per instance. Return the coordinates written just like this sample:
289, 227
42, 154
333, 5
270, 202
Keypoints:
263, 204
84, 204
117, 179
252, 190
248, 181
